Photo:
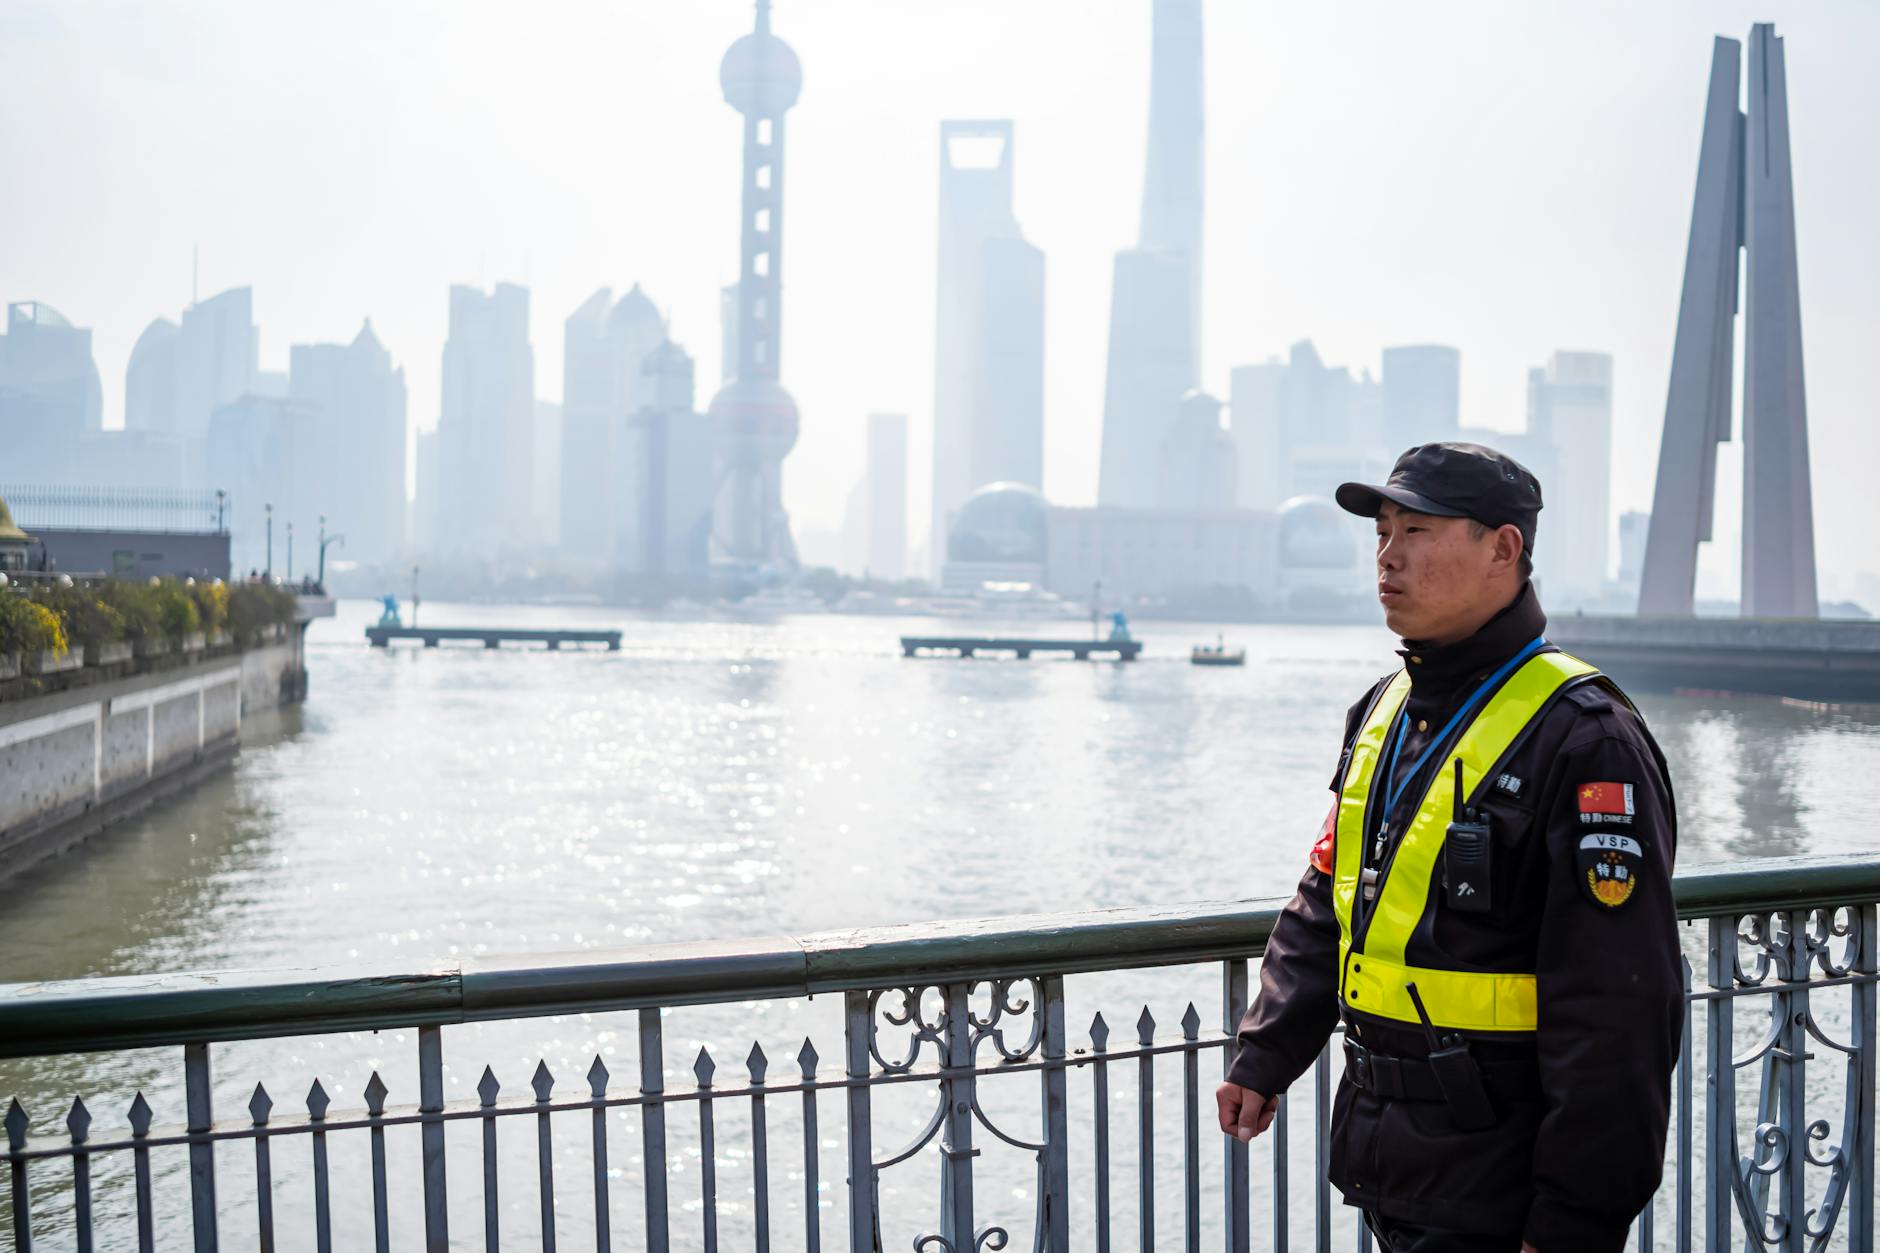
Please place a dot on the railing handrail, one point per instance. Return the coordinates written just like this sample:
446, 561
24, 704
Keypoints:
145, 1011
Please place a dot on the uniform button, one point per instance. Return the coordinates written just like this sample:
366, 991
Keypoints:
1422, 724
1417, 660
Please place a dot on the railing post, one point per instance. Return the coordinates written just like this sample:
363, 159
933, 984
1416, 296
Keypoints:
864, 1214
1791, 1057
1236, 1175
1861, 1153
956, 1130
201, 1153
1057, 1136
653, 1129
431, 1101
16, 1124
1719, 1084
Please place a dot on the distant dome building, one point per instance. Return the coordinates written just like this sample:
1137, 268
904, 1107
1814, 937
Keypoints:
1001, 522
1315, 534
1001, 535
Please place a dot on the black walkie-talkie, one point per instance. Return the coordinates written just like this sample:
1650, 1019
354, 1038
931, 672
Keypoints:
1466, 856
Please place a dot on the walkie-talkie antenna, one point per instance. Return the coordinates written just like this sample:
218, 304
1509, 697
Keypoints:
1457, 799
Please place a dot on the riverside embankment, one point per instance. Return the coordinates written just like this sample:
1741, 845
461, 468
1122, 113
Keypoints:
76, 761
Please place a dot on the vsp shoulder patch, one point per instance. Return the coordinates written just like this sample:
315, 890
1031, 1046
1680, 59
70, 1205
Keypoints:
1609, 865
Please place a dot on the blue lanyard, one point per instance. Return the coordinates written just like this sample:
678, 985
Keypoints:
1394, 794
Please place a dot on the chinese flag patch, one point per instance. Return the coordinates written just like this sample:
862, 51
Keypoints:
1323, 849
1605, 802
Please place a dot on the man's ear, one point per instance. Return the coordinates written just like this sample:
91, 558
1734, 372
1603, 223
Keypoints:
1509, 544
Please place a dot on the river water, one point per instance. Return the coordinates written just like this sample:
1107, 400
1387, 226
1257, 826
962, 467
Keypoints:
741, 777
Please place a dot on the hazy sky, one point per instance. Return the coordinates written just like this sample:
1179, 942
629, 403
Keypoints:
1506, 178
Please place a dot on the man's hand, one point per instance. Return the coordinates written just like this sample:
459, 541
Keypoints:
1244, 1112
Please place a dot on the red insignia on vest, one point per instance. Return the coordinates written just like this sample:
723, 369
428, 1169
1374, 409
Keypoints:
1323, 850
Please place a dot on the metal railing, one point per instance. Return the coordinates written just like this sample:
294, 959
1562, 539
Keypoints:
943, 1010
174, 510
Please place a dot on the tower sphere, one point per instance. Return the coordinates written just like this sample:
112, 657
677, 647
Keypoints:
760, 75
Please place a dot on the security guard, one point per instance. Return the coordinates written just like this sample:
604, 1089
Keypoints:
1488, 909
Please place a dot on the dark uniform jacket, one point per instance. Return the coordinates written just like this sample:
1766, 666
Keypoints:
1583, 1103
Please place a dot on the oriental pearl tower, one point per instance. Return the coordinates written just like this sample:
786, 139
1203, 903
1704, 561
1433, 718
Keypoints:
754, 418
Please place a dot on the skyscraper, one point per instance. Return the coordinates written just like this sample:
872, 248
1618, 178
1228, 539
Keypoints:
672, 491
485, 442
50, 395
988, 325
1745, 200
604, 385
150, 379
886, 487
217, 356
1422, 395
1570, 409
354, 460
1155, 298
1198, 468
754, 417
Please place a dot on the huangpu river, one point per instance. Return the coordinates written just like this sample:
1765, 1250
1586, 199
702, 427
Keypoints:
744, 776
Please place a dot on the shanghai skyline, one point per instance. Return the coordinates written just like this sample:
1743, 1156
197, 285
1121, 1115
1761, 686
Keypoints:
1313, 119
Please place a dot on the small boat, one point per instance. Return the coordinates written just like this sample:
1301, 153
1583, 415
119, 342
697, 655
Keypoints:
1217, 654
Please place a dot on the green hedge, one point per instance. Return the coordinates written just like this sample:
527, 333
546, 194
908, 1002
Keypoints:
41, 618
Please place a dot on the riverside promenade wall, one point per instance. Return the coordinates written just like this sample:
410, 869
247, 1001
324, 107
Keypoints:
74, 762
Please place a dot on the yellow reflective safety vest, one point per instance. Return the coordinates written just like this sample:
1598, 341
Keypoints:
1373, 973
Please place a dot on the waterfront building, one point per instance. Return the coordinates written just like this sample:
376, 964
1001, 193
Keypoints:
1159, 554
485, 441
50, 397
1198, 468
546, 467
885, 493
1744, 204
607, 345
988, 324
353, 461
1570, 413
1422, 391
1155, 297
998, 538
754, 418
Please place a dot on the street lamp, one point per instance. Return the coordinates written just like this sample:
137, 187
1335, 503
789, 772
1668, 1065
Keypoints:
221, 500
326, 539
268, 573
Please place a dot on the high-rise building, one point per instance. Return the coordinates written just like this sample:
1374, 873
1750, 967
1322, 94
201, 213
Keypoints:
885, 487
352, 464
1422, 395
605, 384
1256, 419
1570, 410
484, 429
50, 397
1745, 201
218, 350
988, 325
753, 417
1155, 298
672, 492
1634, 525
256, 447
427, 494
1199, 468
150, 379
545, 463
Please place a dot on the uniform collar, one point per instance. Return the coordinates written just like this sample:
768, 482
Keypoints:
1436, 673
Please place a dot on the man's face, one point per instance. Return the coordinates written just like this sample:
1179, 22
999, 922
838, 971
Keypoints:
1436, 580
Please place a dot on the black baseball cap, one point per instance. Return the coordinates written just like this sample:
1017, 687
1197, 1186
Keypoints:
1454, 481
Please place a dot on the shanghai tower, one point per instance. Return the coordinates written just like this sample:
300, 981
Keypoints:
1155, 297
1745, 202
754, 418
